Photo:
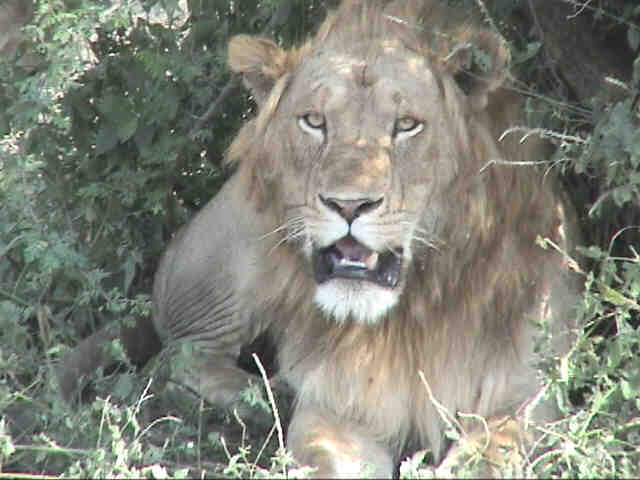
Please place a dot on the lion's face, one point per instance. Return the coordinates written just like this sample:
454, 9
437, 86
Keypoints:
369, 162
365, 153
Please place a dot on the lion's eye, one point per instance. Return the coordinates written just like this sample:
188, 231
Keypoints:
312, 123
406, 127
314, 119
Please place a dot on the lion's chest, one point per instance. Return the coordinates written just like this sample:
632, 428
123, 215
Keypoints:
359, 385
372, 377
388, 379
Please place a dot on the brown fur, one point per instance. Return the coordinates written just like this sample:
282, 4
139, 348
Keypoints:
467, 306
461, 306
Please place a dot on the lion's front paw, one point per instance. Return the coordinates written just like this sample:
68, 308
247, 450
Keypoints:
337, 447
496, 452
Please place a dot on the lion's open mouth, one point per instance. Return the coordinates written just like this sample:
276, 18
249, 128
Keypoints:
350, 259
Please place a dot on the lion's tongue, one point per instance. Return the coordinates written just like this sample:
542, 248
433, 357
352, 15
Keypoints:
352, 254
349, 259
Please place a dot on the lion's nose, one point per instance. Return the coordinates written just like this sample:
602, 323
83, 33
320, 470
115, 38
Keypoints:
351, 209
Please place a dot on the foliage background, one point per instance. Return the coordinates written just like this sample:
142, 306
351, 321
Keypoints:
114, 117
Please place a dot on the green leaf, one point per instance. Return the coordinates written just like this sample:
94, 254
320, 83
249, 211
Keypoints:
181, 473
118, 111
90, 213
627, 391
144, 137
617, 298
532, 50
129, 268
127, 128
106, 139
592, 252
123, 387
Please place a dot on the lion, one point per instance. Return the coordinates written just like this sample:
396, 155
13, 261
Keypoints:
383, 234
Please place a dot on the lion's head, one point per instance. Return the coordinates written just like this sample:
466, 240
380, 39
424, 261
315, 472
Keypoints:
364, 135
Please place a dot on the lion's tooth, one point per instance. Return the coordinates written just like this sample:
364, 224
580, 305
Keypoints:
372, 261
348, 262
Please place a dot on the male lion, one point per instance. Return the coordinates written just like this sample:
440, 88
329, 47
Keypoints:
377, 230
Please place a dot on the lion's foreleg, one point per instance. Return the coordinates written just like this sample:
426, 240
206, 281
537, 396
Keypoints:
216, 378
336, 447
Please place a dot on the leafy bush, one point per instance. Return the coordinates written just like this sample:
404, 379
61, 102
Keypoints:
114, 140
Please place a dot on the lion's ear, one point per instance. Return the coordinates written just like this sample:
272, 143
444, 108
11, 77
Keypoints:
260, 61
479, 64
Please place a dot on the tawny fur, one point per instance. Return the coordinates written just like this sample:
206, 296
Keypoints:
472, 290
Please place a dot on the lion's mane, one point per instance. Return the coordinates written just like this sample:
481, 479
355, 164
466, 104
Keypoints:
477, 294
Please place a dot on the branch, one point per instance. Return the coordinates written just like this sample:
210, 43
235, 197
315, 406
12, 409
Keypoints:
212, 111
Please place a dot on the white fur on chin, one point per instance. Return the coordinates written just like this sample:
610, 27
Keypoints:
365, 302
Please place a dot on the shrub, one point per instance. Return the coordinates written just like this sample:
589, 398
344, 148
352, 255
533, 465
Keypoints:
112, 139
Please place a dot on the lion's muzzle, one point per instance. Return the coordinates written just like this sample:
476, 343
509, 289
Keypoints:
350, 259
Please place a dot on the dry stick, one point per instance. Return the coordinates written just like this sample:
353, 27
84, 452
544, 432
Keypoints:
571, 263
485, 12
485, 425
272, 401
27, 476
225, 448
620, 232
200, 410
264, 445
542, 133
449, 419
582, 7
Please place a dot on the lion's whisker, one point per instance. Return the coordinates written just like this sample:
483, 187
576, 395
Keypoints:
294, 232
291, 222
428, 242
393, 250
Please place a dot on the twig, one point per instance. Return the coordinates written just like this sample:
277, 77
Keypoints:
541, 35
212, 111
544, 133
582, 6
243, 440
536, 22
231, 85
272, 401
27, 476
485, 426
14, 299
264, 445
620, 232
485, 12
200, 410
514, 164
571, 263
449, 419
56, 449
